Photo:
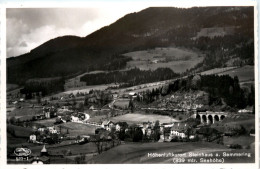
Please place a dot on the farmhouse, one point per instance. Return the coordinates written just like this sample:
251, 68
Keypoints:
52, 130
108, 125
155, 61
132, 94
149, 132
147, 128
118, 127
75, 119
92, 108
32, 138
50, 112
179, 130
115, 96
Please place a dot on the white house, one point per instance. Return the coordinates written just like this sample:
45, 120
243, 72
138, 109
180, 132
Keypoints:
32, 138
47, 114
41, 129
179, 130
52, 130
133, 94
108, 125
118, 127
155, 61
74, 119
149, 132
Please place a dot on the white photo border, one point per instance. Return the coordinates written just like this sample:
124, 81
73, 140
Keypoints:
112, 3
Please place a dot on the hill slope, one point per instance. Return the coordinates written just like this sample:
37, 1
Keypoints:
152, 27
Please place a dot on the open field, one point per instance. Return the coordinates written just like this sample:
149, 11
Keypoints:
86, 89
46, 122
142, 87
24, 112
174, 58
19, 131
12, 141
97, 119
123, 103
76, 129
245, 73
75, 149
217, 70
138, 118
138, 152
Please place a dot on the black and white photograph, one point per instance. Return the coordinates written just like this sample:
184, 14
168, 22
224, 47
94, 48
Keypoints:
131, 85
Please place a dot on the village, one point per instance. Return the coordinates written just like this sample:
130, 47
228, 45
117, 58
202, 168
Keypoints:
113, 118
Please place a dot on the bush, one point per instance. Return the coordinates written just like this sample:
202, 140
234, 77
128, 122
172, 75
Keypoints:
174, 139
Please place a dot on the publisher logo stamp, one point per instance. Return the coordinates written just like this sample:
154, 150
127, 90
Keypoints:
22, 152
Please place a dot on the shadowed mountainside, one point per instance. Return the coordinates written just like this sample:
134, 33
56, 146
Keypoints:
149, 28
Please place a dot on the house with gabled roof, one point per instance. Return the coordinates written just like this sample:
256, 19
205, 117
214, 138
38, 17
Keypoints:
179, 129
108, 125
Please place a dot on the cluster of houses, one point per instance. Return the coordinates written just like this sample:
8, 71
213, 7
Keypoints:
182, 102
167, 130
80, 117
176, 130
48, 112
45, 132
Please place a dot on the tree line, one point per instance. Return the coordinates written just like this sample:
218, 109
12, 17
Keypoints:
42, 88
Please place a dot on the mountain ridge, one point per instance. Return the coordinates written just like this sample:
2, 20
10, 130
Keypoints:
149, 28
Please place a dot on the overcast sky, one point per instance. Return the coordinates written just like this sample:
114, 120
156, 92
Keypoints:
28, 28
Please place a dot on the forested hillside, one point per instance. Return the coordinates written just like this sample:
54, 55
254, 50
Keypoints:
223, 33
